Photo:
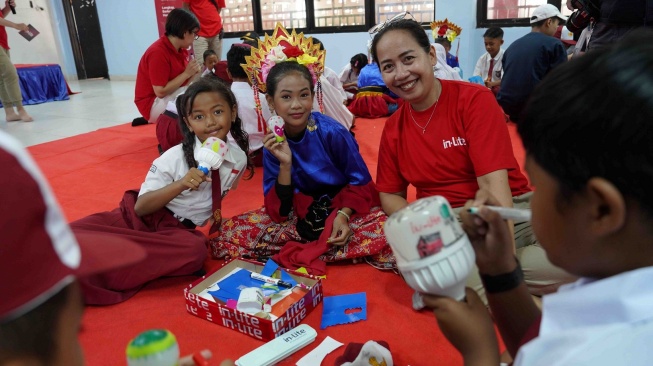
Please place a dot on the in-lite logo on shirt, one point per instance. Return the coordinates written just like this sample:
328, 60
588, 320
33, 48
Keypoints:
454, 141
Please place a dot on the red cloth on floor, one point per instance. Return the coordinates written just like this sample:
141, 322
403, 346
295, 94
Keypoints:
294, 254
353, 350
172, 250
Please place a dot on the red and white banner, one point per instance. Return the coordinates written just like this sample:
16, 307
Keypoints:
162, 8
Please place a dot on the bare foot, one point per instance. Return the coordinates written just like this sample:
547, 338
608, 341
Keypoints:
24, 116
12, 116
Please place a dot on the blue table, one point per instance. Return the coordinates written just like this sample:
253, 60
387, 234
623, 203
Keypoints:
41, 83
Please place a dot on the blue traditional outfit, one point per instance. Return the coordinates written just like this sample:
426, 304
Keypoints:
328, 173
373, 99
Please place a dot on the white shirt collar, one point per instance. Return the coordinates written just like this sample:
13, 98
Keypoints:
623, 298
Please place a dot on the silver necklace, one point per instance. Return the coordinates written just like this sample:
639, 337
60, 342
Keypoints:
429, 121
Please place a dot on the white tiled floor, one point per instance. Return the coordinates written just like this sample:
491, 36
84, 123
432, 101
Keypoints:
101, 103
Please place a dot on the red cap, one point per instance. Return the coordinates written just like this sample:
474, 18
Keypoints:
39, 254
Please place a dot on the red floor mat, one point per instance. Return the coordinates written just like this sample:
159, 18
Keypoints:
89, 173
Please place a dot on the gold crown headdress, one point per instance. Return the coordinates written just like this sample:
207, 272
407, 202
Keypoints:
445, 29
284, 46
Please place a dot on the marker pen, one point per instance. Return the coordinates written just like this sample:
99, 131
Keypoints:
266, 279
515, 214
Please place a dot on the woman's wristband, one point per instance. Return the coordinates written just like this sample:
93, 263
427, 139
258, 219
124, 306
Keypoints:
343, 213
503, 282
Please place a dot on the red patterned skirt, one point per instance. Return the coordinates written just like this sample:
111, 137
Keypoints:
253, 234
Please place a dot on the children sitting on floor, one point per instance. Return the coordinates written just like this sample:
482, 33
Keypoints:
253, 122
175, 198
593, 215
373, 99
320, 201
349, 74
489, 66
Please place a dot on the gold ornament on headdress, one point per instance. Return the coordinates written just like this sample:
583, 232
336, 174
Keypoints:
445, 29
283, 46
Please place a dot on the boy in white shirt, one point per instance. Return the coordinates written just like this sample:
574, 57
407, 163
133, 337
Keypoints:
593, 215
489, 65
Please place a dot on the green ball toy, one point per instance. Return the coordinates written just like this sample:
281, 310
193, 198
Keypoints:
154, 347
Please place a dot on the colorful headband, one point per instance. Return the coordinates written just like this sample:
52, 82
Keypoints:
283, 46
445, 29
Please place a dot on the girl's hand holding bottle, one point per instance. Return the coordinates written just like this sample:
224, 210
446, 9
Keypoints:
193, 179
280, 150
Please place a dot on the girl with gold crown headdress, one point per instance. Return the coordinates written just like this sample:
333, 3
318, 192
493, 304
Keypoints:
319, 194
445, 32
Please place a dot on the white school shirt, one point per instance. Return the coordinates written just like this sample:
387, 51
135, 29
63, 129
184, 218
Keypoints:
247, 113
193, 205
334, 103
334, 79
483, 66
596, 322
347, 75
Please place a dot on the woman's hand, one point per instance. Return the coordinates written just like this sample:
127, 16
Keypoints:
193, 179
341, 232
193, 68
490, 235
468, 326
280, 150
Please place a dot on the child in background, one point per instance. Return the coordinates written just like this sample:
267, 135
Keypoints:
41, 311
175, 198
373, 99
252, 123
349, 74
210, 60
593, 215
335, 97
489, 66
320, 201
445, 32
441, 70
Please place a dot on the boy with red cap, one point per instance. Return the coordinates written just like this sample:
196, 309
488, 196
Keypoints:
41, 260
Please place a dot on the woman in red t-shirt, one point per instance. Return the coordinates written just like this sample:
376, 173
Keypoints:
450, 139
9, 89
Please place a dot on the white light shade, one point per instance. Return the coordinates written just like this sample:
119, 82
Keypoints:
432, 251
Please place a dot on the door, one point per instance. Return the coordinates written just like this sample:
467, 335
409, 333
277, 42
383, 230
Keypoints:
86, 38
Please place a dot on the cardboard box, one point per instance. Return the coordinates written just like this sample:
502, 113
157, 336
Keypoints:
259, 328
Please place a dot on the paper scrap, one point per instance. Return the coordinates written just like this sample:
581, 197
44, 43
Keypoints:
317, 355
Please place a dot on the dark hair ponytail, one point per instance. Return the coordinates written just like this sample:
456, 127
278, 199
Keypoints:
184, 106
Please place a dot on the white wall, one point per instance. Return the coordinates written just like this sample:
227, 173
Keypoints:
129, 27
43, 48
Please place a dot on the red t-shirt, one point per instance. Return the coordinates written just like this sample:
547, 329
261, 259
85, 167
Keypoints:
3, 35
466, 138
160, 63
208, 15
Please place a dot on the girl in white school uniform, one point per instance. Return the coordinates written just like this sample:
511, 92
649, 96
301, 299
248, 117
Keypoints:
175, 198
